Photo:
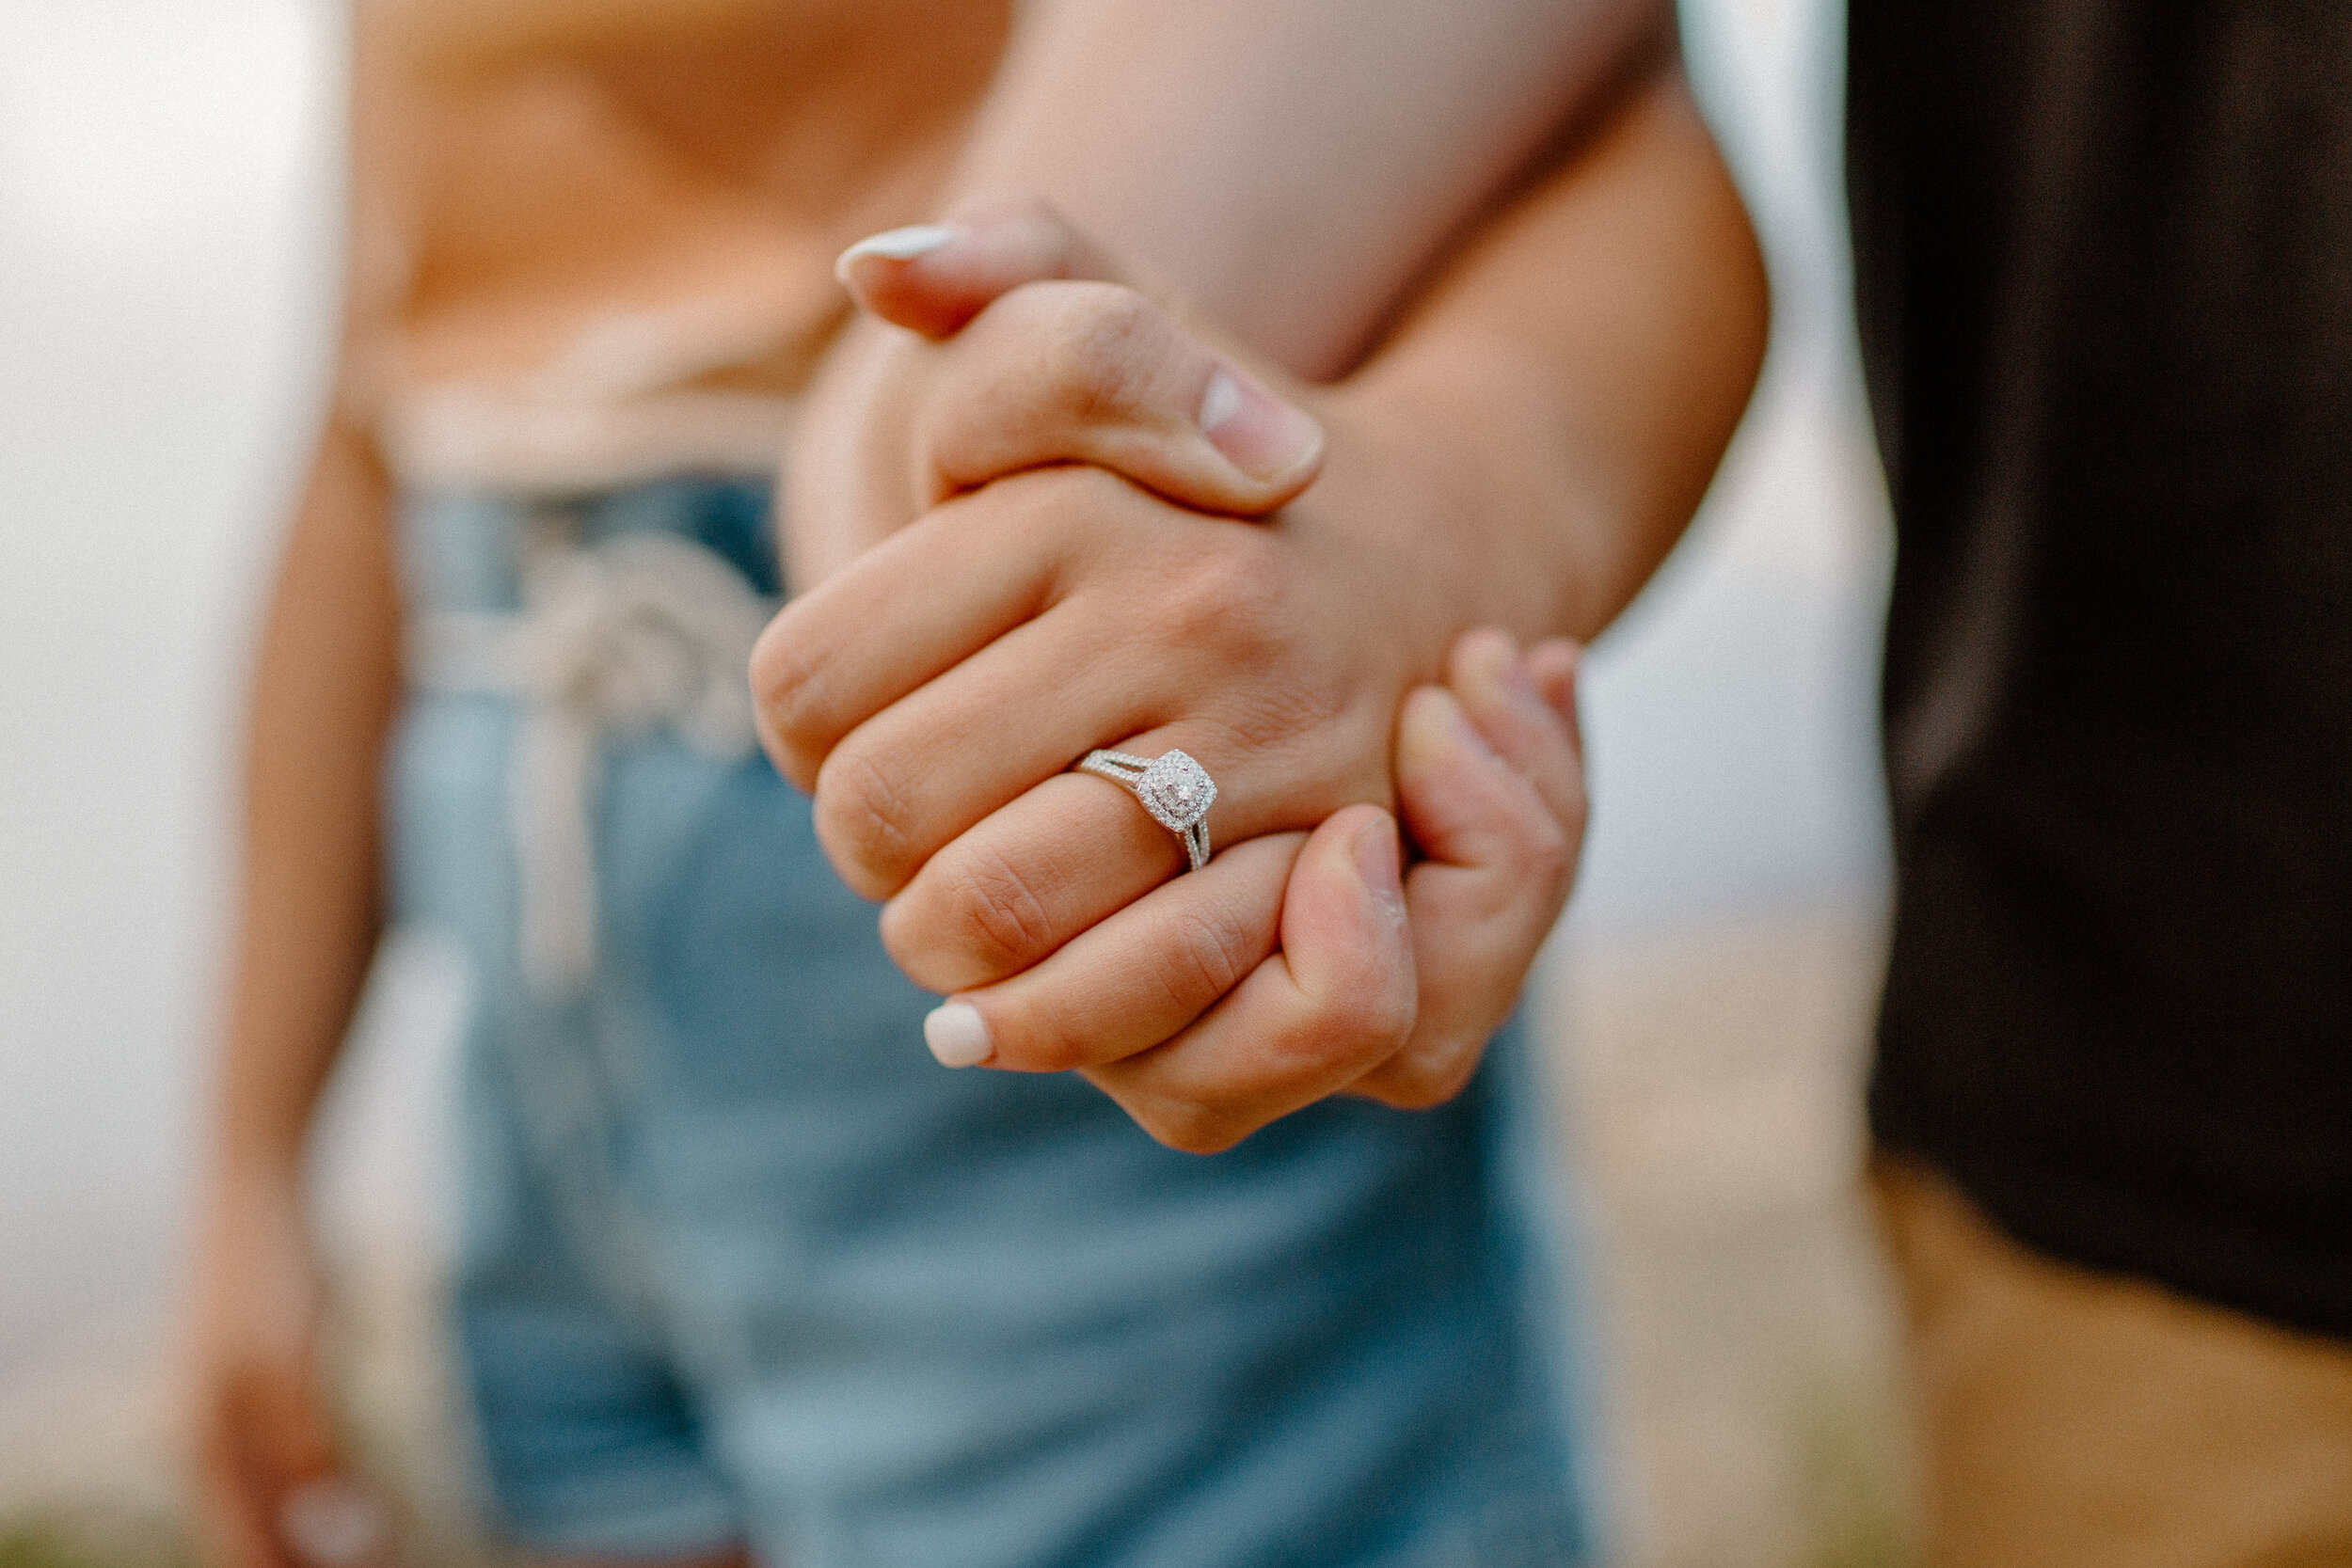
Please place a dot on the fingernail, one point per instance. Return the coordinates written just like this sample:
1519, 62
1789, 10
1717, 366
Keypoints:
1259, 433
330, 1522
897, 245
1377, 863
957, 1035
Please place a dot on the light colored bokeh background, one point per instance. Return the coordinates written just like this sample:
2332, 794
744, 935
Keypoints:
166, 213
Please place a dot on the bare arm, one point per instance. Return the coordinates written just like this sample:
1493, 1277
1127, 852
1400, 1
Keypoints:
1291, 167
1562, 392
324, 697
323, 701
1520, 452
326, 686
1292, 171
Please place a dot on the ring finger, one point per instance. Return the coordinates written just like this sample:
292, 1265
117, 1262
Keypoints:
1135, 979
1070, 852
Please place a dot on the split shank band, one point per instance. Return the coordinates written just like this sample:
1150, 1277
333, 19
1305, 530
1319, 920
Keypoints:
1176, 790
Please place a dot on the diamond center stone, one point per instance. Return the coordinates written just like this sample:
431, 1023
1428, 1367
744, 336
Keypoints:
1177, 791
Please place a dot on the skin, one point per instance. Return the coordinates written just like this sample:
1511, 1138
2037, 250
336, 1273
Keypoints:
1332, 150
1522, 454
1488, 773
1496, 773
1344, 149
1499, 773
324, 697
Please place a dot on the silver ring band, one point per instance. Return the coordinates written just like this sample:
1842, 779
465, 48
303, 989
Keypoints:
1176, 790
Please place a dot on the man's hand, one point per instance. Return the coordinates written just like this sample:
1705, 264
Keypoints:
934, 692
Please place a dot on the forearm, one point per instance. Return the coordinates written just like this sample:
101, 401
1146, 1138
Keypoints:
1558, 400
323, 702
1292, 166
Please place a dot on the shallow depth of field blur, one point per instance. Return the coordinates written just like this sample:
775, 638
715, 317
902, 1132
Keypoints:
168, 207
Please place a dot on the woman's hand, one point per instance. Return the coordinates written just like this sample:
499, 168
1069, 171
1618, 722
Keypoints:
271, 1488
934, 693
910, 691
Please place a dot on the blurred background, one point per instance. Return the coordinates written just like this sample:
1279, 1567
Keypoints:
168, 211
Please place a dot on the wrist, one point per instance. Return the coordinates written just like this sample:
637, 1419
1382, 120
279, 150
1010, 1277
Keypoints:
1443, 494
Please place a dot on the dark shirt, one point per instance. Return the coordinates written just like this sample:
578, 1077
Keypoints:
2103, 264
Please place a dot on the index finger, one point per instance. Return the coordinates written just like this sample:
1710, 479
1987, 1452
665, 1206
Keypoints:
906, 610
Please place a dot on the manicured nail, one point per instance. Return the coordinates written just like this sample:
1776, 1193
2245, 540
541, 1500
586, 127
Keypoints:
957, 1035
1259, 433
1377, 863
897, 245
331, 1523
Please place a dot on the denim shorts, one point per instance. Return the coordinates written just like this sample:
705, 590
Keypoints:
740, 1262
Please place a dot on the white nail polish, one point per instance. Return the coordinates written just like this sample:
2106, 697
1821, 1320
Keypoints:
1220, 403
957, 1035
898, 245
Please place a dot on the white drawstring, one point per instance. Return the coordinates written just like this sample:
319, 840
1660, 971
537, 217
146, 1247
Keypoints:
642, 630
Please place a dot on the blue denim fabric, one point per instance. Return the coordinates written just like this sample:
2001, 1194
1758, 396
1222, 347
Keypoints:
741, 1262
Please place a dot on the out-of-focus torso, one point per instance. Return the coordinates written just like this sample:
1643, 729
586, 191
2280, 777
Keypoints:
592, 239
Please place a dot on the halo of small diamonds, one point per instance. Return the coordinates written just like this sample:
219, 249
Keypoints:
1176, 790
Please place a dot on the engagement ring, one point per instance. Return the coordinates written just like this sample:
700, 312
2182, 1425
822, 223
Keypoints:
1176, 790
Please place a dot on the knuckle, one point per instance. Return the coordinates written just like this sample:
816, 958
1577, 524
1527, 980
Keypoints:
1373, 1015
1386, 1013
996, 913
1103, 350
865, 814
1214, 951
909, 934
1424, 1077
789, 694
1191, 1127
1228, 596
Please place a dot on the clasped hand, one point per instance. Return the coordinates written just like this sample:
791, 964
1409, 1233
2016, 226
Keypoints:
1088, 527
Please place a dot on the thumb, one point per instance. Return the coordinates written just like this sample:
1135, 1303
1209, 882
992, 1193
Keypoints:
1309, 1019
1051, 358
